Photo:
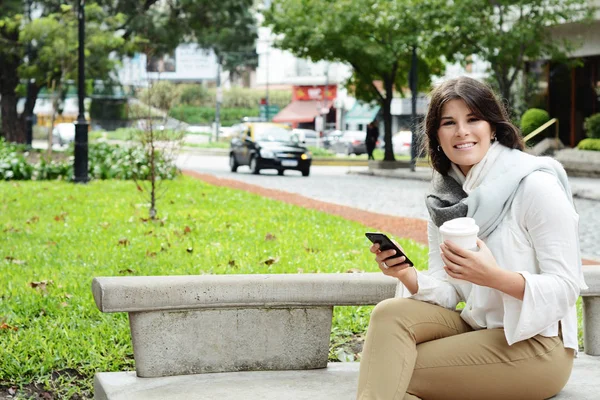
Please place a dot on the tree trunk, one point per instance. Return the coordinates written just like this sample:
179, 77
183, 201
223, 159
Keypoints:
12, 129
387, 120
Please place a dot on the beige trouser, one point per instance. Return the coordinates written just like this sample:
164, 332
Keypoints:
416, 350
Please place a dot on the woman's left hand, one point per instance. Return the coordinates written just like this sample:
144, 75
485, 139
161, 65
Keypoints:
478, 267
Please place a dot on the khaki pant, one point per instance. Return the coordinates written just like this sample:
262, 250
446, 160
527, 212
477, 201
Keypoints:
415, 350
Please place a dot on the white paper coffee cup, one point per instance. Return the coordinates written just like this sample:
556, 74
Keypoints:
462, 232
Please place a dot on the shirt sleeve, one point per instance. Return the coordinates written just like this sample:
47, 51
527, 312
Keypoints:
433, 286
552, 225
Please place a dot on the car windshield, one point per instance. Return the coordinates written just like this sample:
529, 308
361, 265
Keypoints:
273, 134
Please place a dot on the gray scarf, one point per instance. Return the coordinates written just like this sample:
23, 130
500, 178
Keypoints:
489, 202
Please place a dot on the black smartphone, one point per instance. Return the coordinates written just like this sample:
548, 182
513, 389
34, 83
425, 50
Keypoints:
385, 243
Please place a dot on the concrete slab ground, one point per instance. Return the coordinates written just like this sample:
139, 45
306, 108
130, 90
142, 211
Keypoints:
336, 382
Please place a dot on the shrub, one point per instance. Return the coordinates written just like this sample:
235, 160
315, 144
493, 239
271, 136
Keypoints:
592, 126
193, 94
206, 115
533, 119
589, 144
161, 94
105, 162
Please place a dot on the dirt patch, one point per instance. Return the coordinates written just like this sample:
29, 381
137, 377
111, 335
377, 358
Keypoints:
412, 228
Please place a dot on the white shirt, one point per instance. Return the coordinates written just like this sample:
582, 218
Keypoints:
538, 238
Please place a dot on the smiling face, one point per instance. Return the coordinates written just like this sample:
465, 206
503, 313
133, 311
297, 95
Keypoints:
463, 137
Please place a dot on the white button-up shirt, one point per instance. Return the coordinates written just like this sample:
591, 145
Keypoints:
538, 238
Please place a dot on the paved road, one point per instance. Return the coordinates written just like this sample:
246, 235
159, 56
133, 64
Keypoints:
400, 197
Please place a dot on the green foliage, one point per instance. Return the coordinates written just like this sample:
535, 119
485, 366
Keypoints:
65, 235
533, 119
592, 126
205, 115
161, 95
589, 144
507, 33
376, 38
108, 109
193, 94
105, 162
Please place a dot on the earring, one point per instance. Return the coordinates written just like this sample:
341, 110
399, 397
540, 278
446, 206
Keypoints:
439, 149
493, 139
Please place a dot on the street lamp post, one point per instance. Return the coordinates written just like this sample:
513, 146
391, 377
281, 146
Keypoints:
413, 125
81, 128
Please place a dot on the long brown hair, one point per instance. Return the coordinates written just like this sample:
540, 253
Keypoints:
483, 104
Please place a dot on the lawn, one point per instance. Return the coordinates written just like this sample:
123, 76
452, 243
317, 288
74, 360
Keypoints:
58, 236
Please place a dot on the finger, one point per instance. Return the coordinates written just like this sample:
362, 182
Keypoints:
450, 264
452, 273
374, 248
386, 254
451, 256
455, 249
481, 244
392, 262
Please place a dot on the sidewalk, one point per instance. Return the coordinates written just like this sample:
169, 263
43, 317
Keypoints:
584, 188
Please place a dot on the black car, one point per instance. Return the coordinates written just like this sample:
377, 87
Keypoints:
269, 146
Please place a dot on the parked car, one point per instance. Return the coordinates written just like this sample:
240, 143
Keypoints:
308, 137
401, 143
63, 133
348, 142
266, 145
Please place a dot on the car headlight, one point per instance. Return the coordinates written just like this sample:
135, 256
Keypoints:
266, 153
306, 156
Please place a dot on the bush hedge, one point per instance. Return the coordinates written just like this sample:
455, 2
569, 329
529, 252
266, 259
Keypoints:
533, 119
206, 115
105, 161
592, 126
589, 144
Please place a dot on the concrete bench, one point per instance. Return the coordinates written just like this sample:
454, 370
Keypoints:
263, 336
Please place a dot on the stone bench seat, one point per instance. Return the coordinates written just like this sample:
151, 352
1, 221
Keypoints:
263, 336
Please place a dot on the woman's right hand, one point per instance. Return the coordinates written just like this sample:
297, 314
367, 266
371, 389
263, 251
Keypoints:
396, 267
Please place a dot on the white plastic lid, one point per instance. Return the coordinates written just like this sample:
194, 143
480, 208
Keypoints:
460, 227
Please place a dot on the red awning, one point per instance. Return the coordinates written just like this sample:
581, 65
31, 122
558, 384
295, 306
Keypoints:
301, 111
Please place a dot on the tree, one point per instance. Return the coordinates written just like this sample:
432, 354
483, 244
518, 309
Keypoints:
114, 28
376, 38
508, 33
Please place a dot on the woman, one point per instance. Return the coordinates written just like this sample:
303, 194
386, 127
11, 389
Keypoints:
517, 334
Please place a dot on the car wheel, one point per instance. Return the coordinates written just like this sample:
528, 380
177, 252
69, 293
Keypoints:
233, 164
349, 150
306, 172
280, 172
254, 166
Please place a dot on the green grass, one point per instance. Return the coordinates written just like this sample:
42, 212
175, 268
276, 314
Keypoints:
68, 234
209, 145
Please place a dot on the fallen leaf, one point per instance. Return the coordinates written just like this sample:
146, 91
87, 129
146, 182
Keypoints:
126, 271
231, 263
271, 261
41, 285
150, 253
46, 396
12, 390
189, 250
51, 243
311, 250
187, 230
144, 219
123, 242
6, 326
104, 224
354, 271
270, 236
64, 304
68, 296
33, 219
139, 188
343, 356
60, 217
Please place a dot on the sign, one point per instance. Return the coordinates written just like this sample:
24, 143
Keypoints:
273, 110
314, 92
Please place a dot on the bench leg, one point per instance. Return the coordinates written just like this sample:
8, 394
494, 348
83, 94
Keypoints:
591, 325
